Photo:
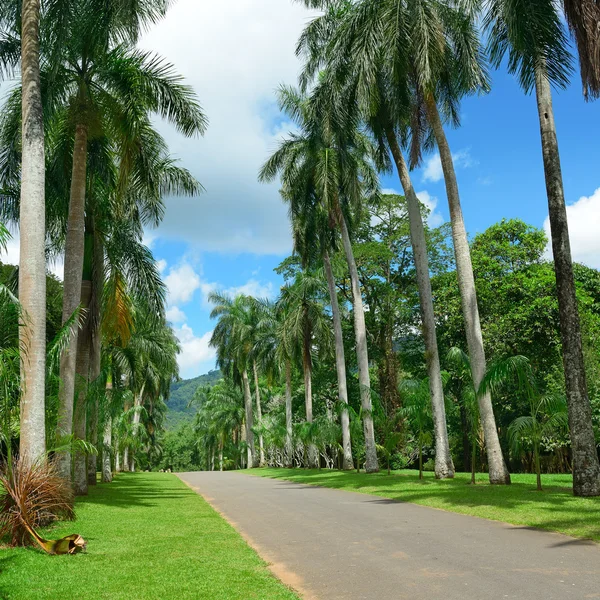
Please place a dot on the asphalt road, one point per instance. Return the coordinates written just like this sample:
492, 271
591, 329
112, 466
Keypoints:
334, 545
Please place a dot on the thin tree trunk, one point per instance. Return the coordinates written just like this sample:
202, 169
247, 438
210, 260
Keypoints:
252, 462
117, 457
95, 350
289, 451
538, 468
466, 284
80, 477
126, 459
313, 455
107, 445
74, 251
221, 454
137, 416
32, 262
444, 467
259, 415
586, 468
340, 365
362, 354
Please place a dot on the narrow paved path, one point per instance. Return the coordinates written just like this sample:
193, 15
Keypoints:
331, 544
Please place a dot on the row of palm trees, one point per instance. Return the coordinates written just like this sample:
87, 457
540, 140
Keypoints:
83, 171
381, 81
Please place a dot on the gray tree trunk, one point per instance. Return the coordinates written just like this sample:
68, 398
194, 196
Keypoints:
289, 450
32, 262
466, 283
252, 462
444, 467
74, 251
221, 454
362, 354
137, 417
586, 468
259, 416
106, 447
340, 365
313, 454
80, 477
95, 351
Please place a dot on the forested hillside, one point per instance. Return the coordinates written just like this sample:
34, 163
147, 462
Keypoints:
182, 392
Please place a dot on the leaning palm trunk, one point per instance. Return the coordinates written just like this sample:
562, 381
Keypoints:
32, 262
249, 421
74, 251
289, 451
586, 469
80, 478
362, 354
340, 364
259, 416
444, 467
466, 283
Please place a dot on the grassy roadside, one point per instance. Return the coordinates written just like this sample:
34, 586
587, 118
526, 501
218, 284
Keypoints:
149, 537
554, 509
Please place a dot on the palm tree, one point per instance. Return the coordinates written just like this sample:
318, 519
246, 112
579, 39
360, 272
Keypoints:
233, 339
32, 271
326, 171
107, 86
429, 51
533, 36
308, 326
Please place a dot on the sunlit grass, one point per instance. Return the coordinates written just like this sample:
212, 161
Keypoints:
149, 537
555, 508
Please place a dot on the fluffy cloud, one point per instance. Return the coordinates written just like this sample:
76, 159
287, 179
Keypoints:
234, 54
195, 351
584, 225
432, 171
252, 288
176, 315
182, 281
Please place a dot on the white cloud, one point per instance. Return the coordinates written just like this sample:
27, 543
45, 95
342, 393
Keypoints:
235, 54
182, 281
195, 351
161, 265
432, 171
176, 315
435, 218
252, 288
584, 224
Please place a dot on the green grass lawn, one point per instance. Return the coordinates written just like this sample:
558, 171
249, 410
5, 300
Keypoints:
555, 509
149, 537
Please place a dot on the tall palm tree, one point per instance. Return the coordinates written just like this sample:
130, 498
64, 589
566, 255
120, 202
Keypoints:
233, 339
108, 87
308, 326
32, 271
428, 50
533, 36
326, 170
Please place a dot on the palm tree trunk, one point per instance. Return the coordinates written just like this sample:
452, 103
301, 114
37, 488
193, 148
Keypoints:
137, 416
80, 478
340, 365
107, 437
32, 262
466, 284
289, 451
313, 455
125, 459
74, 251
95, 349
259, 415
586, 468
538, 468
252, 462
221, 454
444, 467
362, 353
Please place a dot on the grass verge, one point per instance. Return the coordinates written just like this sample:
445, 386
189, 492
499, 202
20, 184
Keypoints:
149, 537
554, 509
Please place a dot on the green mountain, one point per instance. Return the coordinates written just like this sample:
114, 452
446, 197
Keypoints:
182, 393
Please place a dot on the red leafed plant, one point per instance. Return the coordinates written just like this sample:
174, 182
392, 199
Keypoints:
31, 496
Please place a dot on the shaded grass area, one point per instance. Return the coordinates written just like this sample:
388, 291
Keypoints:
149, 537
554, 509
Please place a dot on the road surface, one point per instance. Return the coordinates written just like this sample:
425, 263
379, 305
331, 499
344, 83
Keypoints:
338, 545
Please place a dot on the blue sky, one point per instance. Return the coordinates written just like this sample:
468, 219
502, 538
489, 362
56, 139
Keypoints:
232, 237
235, 53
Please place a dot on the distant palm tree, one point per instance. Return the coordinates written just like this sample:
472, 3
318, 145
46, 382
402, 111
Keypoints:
533, 36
